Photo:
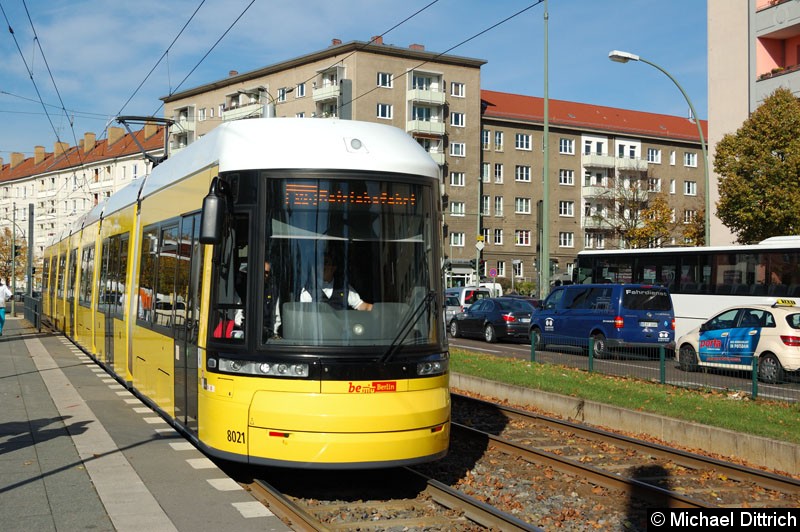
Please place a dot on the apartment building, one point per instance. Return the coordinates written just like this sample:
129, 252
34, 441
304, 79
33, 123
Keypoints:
753, 48
606, 164
64, 184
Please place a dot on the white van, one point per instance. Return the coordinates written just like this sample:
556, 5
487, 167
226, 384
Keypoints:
467, 295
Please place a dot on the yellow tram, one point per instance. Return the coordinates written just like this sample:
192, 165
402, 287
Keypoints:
274, 289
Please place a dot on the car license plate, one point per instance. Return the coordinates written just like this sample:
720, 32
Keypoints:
525, 320
648, 323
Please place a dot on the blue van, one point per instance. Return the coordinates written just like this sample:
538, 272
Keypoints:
614, 315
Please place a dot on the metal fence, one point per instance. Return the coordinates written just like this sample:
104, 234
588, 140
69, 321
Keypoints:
660, 365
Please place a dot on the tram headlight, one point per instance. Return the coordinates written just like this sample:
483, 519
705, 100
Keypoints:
263, 369
432, 367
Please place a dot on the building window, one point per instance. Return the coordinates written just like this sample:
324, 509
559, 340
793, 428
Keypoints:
384, 111
522, 141
522, 174
498, 172
456, 179
487, 233
485, 135
566, 177
690, 188
498, 237
459, 90
457, 120
672, 158
522, 237
566, 208
486, 206
672, 186
458, 149
300, 91
654, 155
457, 240
654, 184
690, 159
566, 146
456, 208
282, 92
566, 239
498, 141
485, 172
498, 205
522, 205
201, 114
421, 113
385, 80
689, 215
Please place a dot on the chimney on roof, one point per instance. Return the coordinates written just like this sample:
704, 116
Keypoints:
38, 154
16, 158
60, 148
232, 73
417, 47
114, 134
377, 39
89, 140
150, 129
336, 42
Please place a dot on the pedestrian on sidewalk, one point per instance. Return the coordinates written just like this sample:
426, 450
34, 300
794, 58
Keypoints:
5, 294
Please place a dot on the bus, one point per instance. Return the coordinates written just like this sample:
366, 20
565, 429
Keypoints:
166, 285
702, 280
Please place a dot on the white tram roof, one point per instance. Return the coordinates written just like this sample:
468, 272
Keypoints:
283, 143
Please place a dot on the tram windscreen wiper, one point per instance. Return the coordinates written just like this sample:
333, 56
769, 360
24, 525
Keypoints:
408, 326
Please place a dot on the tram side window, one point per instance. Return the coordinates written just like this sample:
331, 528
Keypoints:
103, 281
147, 274
87, 274
166, 299
62, 264
232, 257
73, 269
119, 271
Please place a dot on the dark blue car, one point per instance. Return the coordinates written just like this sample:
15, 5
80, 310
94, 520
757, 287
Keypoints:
493, 319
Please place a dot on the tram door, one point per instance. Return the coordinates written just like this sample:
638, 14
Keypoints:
69, 326
187, 312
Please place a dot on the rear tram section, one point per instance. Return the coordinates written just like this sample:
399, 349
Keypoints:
275, 291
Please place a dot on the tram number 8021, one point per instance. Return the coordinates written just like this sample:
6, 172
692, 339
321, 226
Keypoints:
235, 436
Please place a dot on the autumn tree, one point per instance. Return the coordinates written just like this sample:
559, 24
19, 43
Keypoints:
7, 252
694, 232
759, 169
657, 225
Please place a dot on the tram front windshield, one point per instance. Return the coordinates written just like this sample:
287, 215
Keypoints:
345, 261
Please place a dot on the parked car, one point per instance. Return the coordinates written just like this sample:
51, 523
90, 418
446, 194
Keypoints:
613, 315
451, 308
730, 340
493, 319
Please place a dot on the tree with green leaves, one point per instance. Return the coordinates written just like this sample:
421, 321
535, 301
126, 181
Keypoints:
759, 169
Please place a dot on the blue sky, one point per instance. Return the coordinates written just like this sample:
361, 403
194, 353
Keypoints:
98, 52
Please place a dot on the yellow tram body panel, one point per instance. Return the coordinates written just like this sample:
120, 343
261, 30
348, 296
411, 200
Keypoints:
348, 422
153, 368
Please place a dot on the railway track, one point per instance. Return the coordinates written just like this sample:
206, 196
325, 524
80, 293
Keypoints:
510, 469
414, 502
653, 472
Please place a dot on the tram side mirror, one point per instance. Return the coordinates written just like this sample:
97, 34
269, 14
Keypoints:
212, 215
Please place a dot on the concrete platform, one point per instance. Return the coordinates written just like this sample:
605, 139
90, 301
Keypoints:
79, 451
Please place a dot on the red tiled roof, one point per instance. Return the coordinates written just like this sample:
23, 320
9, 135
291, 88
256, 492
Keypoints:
502, 105
74, 156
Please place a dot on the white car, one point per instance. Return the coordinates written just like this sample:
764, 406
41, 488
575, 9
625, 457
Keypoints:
730, 340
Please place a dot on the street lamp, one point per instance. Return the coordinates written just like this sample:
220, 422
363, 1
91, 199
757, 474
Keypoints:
623, 57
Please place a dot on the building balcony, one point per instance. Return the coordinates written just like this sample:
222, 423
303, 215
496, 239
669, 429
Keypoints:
426, 96
250, 110
629, 163
326, 93
597, 223
184, 125
597, 160
425, 127
437, 157
595, 191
